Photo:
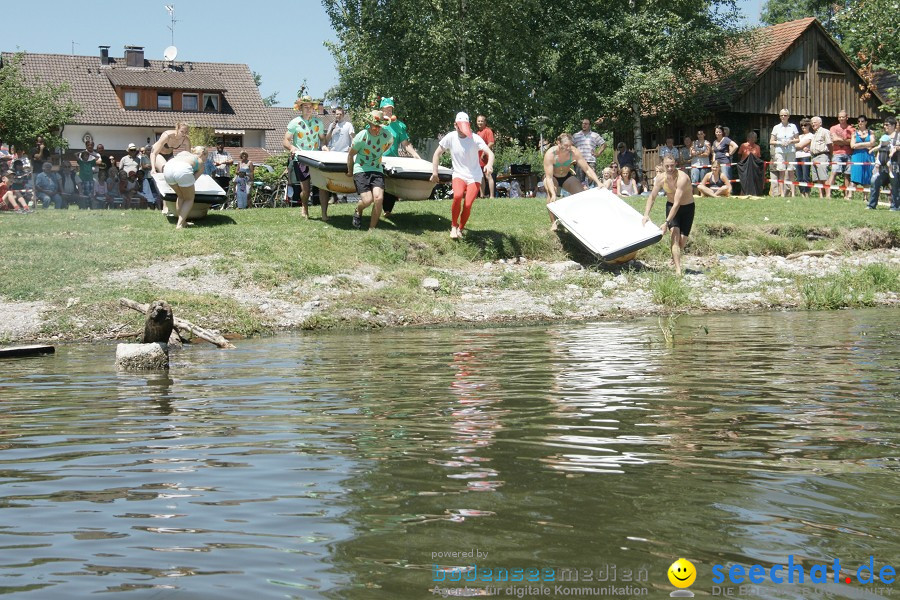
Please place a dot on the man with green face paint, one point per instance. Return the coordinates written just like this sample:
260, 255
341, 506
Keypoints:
401, 138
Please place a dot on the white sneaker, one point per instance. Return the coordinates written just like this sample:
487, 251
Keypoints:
454, 233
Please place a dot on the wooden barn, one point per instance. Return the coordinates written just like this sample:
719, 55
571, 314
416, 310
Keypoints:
795, 65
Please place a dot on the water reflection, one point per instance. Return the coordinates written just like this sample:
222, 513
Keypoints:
341, 466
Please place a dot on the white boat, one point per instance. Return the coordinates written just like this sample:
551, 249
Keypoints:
206, 193
408, 178
605, 224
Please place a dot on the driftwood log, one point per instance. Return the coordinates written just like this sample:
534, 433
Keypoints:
181, 324
812, 253
159, 324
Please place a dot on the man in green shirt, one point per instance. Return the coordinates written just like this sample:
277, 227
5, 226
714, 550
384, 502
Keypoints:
364, 165
401, 138
305, 133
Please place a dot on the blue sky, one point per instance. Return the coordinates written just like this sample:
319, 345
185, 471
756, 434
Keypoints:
281, 40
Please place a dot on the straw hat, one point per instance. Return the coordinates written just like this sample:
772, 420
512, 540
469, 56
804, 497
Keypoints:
376, 117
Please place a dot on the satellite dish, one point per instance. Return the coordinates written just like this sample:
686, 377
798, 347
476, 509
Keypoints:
170, 53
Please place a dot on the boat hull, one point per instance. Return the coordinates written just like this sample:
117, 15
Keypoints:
206, 194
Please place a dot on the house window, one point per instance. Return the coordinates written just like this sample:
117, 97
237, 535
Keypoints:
189, 102
826, 65
231, 140
131, 99
795, 60
164, 100
210, 103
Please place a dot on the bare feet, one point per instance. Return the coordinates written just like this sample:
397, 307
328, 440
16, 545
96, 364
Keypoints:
555, 226
305, 213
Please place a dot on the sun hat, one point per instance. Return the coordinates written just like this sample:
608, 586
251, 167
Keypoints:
304, 98
376, 117
462, 121
132, 146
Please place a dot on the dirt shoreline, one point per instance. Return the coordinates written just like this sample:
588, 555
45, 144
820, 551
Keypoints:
494, 292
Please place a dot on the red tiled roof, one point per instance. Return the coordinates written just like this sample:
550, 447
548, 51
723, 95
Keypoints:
163, 79
90, 86
776, 39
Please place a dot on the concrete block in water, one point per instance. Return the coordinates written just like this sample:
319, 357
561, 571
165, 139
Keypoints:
142, 357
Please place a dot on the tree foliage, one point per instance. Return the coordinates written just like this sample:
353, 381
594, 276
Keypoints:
29, 109
782, 11
541, 68
271, 99
870, 33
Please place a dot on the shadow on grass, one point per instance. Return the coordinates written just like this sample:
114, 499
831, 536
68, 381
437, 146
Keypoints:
211, 220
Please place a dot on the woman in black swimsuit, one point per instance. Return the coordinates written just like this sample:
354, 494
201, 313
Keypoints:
169, 144
558, 175
714, 185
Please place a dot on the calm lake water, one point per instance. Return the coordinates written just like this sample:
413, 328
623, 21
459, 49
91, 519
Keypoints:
340, 465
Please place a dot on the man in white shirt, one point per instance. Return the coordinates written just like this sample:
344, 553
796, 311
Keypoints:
590, 144
340, 132
467, 174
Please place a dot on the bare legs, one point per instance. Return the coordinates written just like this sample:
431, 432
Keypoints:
376, 197
678, 242
304, 200
184, 202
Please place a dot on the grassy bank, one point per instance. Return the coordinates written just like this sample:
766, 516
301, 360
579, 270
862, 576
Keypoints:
78, 262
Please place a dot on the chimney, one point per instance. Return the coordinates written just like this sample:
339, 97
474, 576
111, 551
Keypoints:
134, 56
104, 55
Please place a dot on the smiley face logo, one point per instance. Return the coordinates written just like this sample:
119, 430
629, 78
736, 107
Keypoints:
682, 573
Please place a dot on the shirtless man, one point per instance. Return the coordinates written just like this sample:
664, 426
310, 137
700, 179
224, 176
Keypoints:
169, 144
679, 206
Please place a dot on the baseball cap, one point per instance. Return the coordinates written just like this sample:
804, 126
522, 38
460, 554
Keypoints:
462, 121
132, 147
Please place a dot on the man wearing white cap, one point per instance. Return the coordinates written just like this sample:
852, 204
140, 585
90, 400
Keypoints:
129, 162
467, 174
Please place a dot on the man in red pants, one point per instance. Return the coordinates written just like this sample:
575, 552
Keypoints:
467, 173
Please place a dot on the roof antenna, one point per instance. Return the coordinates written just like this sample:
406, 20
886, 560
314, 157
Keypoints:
73, 47
171, 9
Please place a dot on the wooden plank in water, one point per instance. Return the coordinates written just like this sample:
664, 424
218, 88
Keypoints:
26, 351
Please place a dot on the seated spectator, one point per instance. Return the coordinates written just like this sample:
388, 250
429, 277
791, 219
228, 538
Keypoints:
18, 181
112, 175
715, 184
129, 190
626, 184
607, 179
101, 198
130, 162
68, 183
749, 147
148, 189
47, 187
10, 200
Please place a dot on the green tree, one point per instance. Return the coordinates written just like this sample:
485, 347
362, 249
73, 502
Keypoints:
32, 108
871, 37
271, 99
782, 11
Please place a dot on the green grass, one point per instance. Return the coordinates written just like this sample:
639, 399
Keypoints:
54, 255
669, 290
849, 289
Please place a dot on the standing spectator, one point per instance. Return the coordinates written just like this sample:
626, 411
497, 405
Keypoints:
591, 145
668, 150
340, 132
305, 133
105, 161
401, 138
218, 164
863, 141
684, 154
143, 159
841, 138
624, 156
701, 150
487, 135
887, 165
750, 147
129, 162
804, 158
112, 175
820, 149
87, 161
241, 187
47, 187
245, 165
39, 155
723, 149
784, 139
